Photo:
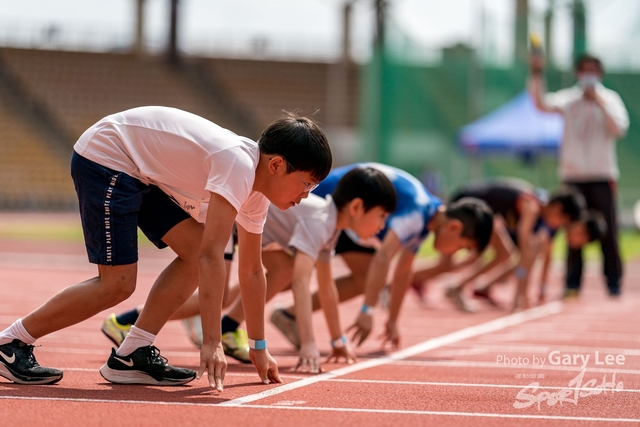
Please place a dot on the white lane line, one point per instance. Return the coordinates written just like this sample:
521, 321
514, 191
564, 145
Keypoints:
480, 385
543, 348
462, 334
549, 334
448, 413
351, 410
227, 374
494, 365
391, 382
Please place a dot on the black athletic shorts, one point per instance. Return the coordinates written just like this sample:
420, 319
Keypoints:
113, 205
346, 244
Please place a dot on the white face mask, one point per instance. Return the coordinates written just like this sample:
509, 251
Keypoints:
586, 80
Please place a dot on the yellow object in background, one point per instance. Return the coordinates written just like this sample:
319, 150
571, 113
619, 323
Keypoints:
535, 41
535, 44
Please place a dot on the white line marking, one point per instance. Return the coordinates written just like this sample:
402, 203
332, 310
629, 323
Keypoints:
494, 365
448, 413
365, 381
550, 334
473, 351
536, 348
443, 384
227, 374
457, 365
356, 410
462, 334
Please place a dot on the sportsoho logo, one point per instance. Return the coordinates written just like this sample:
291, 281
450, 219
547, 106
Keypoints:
577, 388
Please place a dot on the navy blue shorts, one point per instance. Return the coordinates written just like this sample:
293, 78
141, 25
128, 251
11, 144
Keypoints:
112, 207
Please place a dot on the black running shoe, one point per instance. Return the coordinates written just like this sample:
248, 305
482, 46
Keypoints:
485, 295
144, 366
18, 364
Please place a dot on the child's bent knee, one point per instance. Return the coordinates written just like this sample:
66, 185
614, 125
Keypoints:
115, 294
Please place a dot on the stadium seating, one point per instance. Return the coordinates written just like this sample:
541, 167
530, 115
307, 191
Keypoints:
69, 91
32, 174
269, 87
81, 88
73, 90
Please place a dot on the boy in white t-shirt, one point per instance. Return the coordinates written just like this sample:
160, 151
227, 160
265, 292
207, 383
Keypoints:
296, 240
465, 224
184, 181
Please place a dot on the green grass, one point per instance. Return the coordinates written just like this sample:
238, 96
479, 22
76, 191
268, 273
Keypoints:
71, 232
62, 232
20, 231
629, 247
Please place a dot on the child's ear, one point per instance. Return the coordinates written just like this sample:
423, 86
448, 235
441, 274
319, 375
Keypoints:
277, 163
356, 207
455, 226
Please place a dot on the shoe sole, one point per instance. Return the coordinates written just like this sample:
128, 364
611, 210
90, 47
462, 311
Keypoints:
283, 326
18, 379
457, 301
138, 377
487, 298
229, 352
111, 338
193, 328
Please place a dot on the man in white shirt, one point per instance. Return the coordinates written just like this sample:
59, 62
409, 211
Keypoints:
595, 117
183, 181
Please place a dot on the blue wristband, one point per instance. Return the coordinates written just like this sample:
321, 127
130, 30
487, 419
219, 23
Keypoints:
521, 272
339, 343
257, 344
367, 309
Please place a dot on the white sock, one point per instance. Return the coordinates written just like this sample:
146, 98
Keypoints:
16, 331
135, 339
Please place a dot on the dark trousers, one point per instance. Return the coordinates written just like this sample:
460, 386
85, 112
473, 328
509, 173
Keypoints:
600, 196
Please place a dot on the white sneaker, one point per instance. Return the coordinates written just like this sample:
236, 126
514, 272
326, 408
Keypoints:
193, 327
286, 325
455, 296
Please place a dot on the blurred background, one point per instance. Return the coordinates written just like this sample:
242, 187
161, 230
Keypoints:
418, 84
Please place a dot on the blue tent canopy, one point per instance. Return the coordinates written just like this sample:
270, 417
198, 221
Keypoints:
517, 127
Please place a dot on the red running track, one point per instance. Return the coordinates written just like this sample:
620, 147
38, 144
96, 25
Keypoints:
546, 366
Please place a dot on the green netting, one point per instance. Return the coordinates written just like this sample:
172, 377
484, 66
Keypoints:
411, 113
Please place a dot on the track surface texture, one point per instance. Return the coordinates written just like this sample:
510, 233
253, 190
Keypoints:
562, 363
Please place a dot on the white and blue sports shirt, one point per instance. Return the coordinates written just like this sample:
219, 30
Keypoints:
415, 208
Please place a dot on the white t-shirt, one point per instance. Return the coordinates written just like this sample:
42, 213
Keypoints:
309, 227
588, 151
185, 155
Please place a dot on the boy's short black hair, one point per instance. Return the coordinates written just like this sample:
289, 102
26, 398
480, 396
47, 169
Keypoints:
476, 217
301, 142
571, 200
368, 184
594, 223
